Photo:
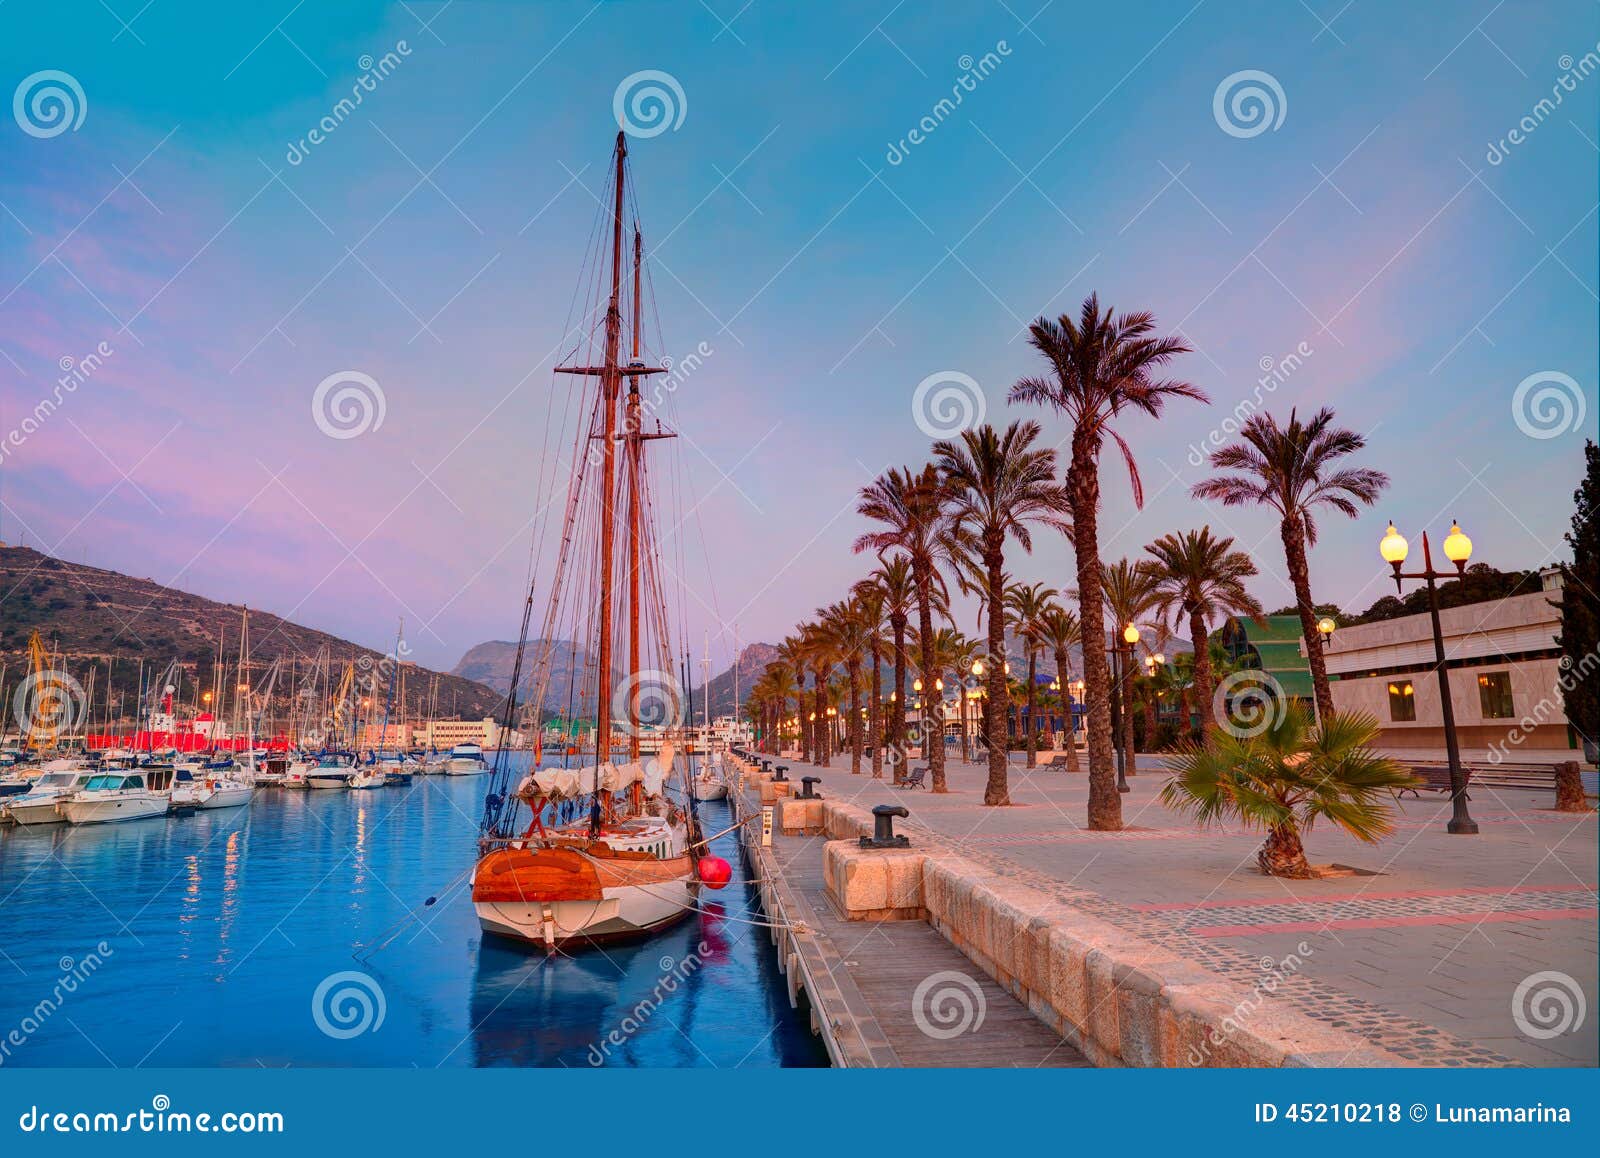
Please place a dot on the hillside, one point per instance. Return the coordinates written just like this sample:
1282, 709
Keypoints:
103, 620
490, 664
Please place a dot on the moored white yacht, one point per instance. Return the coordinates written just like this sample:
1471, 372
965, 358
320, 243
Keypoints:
331, 772
465, 760
124, 795
38, 805
212, 792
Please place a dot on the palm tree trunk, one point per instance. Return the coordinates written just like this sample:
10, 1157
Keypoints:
996, 701
875, 712
1201, 642
1283, 855
854, 671
897, 710
1150, 721
1105, 805
932, 728
1033, 707
1294, 549
819, 728
1066, 712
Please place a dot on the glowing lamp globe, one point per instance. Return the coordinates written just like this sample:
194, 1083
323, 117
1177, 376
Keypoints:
1394, 547
714, 872
1457, 547
1130, 634
1325, 625
977, 667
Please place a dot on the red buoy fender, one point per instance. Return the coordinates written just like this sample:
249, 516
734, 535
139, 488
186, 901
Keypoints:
714, 872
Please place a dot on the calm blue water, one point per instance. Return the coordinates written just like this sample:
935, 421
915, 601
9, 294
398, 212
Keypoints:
222, 926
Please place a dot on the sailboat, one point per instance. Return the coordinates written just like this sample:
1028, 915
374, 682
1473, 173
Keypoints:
613, 848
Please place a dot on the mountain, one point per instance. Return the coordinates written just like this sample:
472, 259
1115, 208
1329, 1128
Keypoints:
490, 663
753, 660
107, 621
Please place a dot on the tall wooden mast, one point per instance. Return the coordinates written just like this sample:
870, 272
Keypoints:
610, 384
635, 503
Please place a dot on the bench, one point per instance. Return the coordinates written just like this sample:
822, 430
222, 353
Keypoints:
916, 778
1435, 778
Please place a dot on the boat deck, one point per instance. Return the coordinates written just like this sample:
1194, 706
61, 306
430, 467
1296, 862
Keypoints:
862, 978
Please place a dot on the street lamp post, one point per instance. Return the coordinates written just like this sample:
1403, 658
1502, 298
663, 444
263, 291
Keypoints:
1458, 549
1119, 665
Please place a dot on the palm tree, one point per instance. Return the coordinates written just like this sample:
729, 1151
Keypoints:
821, 656
1059, 632
1100, 365
893, 578
1129, 596
911, 507
1027, 604
1286, 778
1292, 469
1201, 577
792, 653
848, 630
870, 603
998, 484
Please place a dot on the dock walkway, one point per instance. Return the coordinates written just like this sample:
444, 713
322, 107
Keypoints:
888, 993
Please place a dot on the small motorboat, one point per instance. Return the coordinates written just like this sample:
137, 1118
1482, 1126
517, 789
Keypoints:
366, 778
39, 804
211, 792
465, 760
112, 796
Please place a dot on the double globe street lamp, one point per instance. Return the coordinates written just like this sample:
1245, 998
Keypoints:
1458, 549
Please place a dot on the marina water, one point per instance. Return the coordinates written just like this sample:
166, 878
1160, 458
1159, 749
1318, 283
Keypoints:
227, 939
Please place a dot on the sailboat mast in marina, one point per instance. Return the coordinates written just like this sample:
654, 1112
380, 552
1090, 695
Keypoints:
583, 851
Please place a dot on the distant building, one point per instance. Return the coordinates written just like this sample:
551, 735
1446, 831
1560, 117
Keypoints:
1505, 679
1273, 646
442, 734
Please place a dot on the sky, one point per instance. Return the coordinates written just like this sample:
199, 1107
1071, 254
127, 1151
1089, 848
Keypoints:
1386, 216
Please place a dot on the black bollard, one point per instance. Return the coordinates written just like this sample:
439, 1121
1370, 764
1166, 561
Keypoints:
805, 788
883, 828
779, 774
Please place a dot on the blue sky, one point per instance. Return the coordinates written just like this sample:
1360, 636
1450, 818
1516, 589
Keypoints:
432, 241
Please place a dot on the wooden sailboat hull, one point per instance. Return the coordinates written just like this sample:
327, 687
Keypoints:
559, 896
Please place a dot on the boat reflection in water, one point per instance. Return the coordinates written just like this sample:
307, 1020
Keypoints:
704, 992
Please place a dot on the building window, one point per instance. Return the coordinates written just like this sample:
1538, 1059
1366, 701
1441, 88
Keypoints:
1402, 702
1494, 695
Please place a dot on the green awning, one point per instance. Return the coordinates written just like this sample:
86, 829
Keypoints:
1275, 645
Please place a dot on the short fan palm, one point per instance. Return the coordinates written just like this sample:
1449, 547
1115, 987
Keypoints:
1287, 778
